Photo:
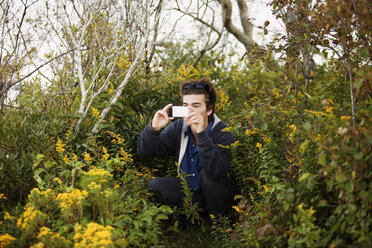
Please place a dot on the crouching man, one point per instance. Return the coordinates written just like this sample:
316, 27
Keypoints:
199, 144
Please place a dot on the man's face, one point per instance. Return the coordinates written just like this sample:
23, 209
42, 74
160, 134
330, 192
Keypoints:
197, 103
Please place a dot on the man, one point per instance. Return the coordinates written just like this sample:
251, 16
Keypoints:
199, 144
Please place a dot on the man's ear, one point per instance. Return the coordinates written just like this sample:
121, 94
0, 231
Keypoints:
210, 110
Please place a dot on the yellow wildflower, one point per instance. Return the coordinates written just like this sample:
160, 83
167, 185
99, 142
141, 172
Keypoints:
72, 199
68, 134
105, 155
318, 137
95, 112
276, 94
212, 216
98, 172
252, 197
312, 211
250, 132
6, 239
44, 231
116, 186
315, 113
30, 218
329, 109
75, 157
142, 119
120, 140
7, 216
94, 186
259, 145
226, 129
292, 131
94, 235
87, 157
237, 209
2, 196
65, 158
125, 156
60, 145
266, 139
266, 188
345, 118
58, 180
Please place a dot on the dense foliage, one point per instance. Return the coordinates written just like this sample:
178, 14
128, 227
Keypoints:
301, 161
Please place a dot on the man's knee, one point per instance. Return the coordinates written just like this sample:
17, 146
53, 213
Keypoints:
217, 194
154, 185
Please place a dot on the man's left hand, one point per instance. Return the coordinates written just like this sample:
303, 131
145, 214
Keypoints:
196, 122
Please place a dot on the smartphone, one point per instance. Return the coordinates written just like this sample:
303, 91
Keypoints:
178, 111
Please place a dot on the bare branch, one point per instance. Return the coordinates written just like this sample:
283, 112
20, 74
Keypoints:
35, 70
231, 28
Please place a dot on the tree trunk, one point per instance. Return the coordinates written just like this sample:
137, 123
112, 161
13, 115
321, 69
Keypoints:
351, 91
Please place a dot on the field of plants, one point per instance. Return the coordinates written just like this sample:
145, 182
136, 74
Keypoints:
302, 159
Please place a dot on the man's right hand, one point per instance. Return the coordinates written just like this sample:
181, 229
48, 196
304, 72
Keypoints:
161, 118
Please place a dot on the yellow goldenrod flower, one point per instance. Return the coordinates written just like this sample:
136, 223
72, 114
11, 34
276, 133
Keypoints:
69, 200
105, 155
250, 132
59, 181
75, 157
142, 119
7, 216
2, 196
87, 157
60, 145
345, 118
30, 217
125, 156
329, 110
252, 197
98, 172
95, 112
237, 209
44, 231
6, 239
94, 235
266, 139
65, 158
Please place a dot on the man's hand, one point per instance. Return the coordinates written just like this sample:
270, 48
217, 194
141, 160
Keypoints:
196, 122
161, 118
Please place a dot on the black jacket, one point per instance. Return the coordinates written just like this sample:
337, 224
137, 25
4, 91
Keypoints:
213, 154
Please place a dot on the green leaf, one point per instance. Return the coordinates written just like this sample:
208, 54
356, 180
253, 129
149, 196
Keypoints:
264, 126
304, 176
38, 172
349, 187
358, 83
341, 178
322, 159
307, 126
39, 158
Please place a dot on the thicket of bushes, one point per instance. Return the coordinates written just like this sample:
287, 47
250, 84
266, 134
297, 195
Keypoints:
303, 169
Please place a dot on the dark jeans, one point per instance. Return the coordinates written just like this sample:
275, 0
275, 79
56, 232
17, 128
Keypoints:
215, 197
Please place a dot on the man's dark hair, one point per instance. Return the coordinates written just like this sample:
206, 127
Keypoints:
198, 87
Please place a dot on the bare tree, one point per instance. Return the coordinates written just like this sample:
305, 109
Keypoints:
107, 40
15, 48
300, 49
216, 16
